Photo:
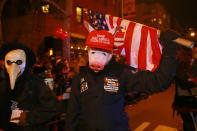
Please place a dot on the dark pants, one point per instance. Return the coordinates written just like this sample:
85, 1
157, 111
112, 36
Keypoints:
189, 121
14, 127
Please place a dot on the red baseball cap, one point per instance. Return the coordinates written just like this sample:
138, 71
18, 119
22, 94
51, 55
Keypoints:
100, 39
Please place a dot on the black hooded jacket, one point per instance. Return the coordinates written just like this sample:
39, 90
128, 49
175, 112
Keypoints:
33, 96
4, 102
30, 94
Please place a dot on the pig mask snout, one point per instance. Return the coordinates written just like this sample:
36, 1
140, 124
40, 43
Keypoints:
96, 66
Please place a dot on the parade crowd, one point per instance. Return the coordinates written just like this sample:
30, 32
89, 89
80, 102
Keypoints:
88, 92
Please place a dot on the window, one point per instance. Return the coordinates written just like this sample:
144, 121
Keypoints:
79, 12
160, 21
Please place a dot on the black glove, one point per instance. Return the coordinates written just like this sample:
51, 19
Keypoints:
166, 39
195, 45
167, 36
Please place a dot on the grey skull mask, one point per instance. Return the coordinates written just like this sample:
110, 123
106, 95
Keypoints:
15, 62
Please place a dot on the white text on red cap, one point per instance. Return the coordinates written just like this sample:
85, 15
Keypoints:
100, 39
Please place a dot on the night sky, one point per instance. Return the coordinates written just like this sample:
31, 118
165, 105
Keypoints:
185, 11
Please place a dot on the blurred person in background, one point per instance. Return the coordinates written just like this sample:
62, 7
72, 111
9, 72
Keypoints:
81, 62
185, 101
62, 81
37, 67
60, 72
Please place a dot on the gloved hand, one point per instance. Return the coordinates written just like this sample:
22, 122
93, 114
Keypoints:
167, 36
195, 45
166, 39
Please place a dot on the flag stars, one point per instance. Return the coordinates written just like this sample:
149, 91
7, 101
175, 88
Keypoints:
97, 20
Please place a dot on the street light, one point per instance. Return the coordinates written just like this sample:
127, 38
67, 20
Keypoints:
192, 34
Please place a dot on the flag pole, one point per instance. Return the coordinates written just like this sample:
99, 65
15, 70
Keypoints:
182, 41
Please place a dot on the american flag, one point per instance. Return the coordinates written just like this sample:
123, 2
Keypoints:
139, 43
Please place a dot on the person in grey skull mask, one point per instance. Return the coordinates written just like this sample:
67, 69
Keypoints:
28, 104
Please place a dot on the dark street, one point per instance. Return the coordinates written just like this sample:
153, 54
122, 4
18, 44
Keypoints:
155, 113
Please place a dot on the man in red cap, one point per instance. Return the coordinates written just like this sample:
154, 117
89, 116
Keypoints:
98, 91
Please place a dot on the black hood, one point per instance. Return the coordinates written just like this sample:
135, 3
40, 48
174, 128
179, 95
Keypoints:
7, 47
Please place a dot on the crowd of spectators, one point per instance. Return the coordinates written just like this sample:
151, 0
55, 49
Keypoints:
57, 72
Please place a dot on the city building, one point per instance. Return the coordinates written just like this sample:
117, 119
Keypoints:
35, 22
153, 15
77, 29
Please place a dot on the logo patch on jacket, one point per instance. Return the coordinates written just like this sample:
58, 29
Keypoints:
83, 85
111, 85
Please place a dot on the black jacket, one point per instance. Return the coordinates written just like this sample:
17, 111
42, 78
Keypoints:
32, 95
97, 99
4, 103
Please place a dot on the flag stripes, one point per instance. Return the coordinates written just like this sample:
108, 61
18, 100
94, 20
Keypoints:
139, 43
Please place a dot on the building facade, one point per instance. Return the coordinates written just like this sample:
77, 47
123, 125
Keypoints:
37, 21
128, 9
153, 15
77, 29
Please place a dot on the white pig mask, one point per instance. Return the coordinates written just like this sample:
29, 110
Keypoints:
15, 62
98, 59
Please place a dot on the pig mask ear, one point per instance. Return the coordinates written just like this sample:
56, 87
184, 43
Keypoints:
98, 59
